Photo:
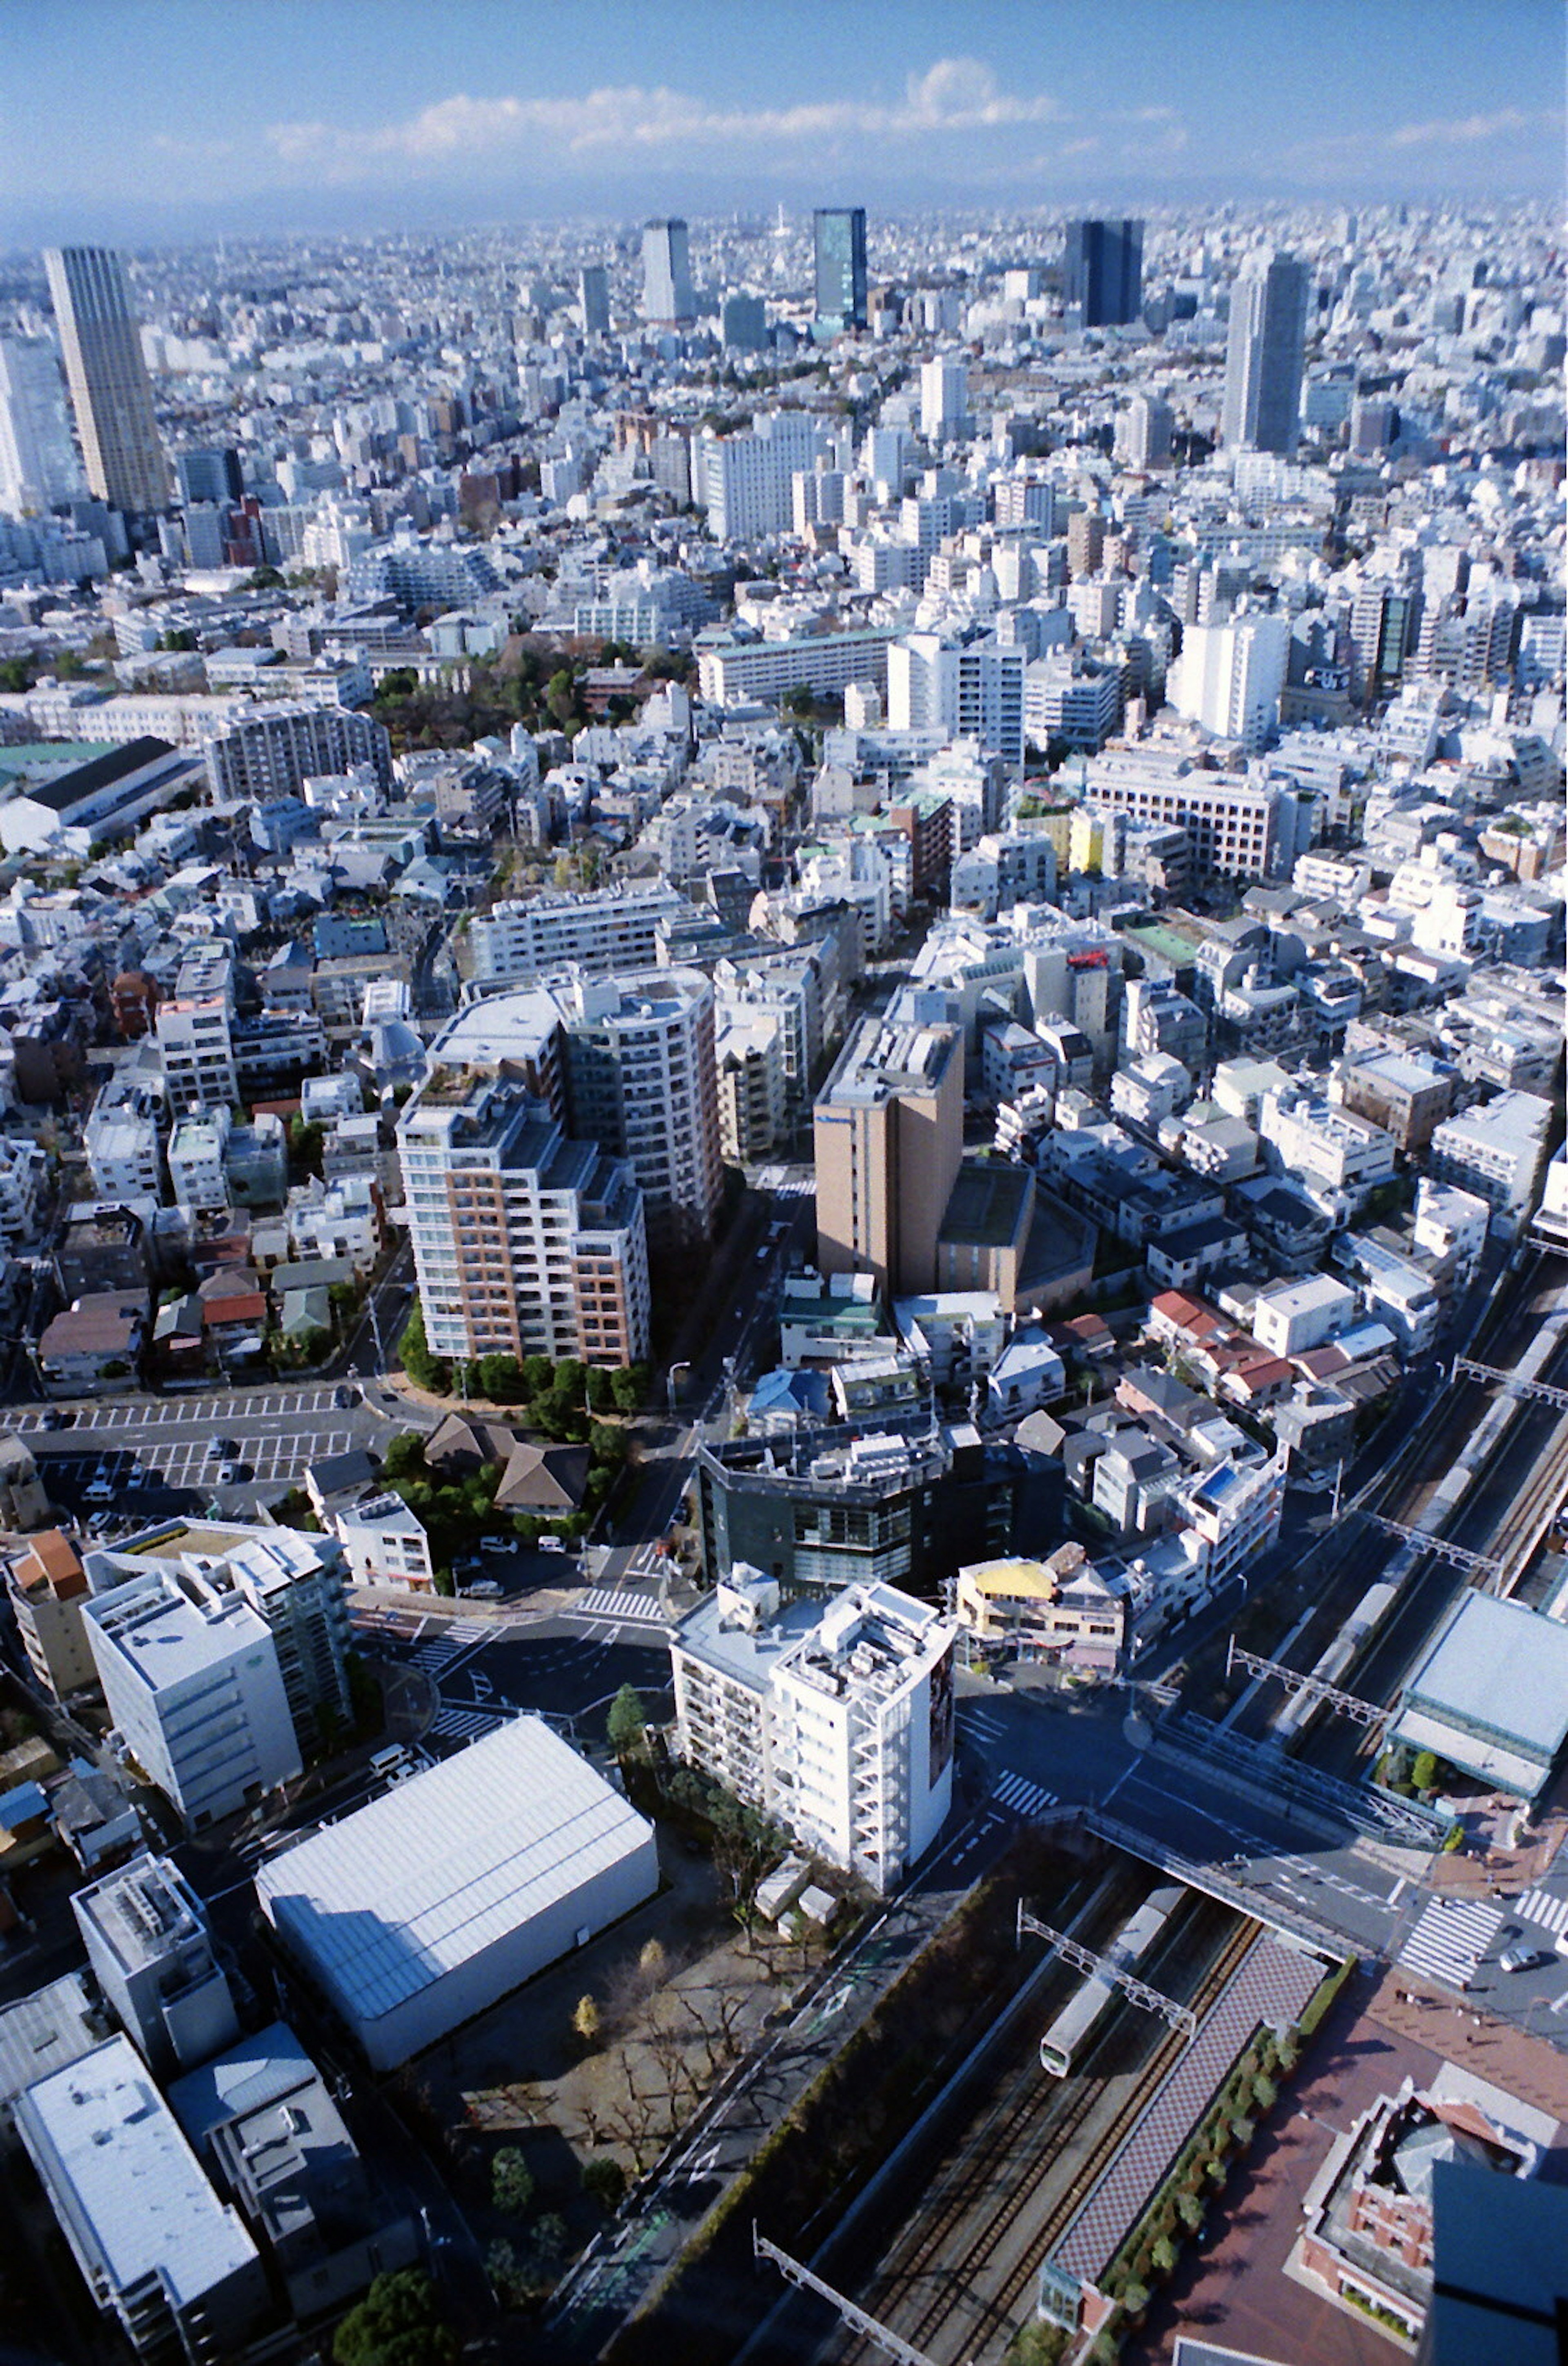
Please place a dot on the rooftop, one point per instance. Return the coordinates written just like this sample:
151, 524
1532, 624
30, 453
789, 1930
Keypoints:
411, 1888
1500, 1670
137, 2198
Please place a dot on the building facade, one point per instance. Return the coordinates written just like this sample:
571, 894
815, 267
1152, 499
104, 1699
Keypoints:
110, 391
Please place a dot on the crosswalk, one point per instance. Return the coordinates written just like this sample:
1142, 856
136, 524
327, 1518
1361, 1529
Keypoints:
983, 1721
1540, 1906
614, 1602
436, 1653
1020, 1796
1449, 1941
464, 1724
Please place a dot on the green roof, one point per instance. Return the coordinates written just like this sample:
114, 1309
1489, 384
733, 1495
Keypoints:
1170, 944
38, 755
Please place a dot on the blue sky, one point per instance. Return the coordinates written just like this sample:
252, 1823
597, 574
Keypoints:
179, 118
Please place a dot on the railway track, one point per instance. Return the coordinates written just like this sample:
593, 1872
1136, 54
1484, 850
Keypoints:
953, 2261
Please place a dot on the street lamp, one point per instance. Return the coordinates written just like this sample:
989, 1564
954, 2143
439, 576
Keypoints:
683, 1365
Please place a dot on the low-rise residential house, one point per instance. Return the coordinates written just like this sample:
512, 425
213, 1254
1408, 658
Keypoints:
94, 1348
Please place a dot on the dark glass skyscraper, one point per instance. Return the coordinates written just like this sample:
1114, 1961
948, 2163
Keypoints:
1103, 270
840, 234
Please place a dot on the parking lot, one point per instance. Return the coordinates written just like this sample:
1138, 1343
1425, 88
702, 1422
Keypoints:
206, 1413
181, 1462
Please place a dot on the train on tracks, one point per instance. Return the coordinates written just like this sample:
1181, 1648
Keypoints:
1069, 2036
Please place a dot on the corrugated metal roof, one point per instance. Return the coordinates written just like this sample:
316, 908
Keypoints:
420, 1881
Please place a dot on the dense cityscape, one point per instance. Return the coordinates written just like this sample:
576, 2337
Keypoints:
783, 1410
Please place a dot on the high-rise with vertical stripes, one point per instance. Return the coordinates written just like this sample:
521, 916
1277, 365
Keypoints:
110, 391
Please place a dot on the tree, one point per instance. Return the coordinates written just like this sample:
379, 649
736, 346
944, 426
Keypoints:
585, 2020
604, 2180
1162, 2255
1424, 1770
625, 1727
627, 1388
601, 1390
652, 1962
395, 2325
425, 1370
511, 2181
404, 1458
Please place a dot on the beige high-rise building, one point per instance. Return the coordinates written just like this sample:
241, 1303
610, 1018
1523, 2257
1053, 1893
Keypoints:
110, 391
888, 1141
525, 1243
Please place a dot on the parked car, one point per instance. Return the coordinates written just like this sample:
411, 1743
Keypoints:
552, 1544
99, 1489
344, 1396
498, 1544
487, 1590
228, 1448
52, 1417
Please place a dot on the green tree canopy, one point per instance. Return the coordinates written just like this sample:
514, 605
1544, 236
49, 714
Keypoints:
395, 2325
625, 1727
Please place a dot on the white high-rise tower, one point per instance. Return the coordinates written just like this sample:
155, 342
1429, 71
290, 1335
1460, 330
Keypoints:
37, 460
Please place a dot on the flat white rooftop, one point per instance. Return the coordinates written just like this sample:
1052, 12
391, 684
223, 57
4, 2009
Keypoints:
105, 2139
417, 1883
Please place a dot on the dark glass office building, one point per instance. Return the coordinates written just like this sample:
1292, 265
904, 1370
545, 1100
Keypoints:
840, 234
1103, 271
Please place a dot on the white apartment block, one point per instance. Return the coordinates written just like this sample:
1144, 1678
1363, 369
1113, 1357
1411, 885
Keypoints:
642, 1082
1291, 1317
748, 480
196, 1174
529, 936
24, 1167
972, 690
736, 673
837, 1722
194, 1686
121, 1144
385, 1544
1335, 1157
1233, 1515
525, 1243
1496, 1151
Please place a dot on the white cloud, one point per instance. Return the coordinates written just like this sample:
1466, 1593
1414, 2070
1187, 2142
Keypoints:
955, 95
1464, 131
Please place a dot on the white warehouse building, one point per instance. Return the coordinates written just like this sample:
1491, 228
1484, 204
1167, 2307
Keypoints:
835, 1721
428, 1905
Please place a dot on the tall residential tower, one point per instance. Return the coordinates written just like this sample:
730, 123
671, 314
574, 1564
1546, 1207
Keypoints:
110, 391
1263, 359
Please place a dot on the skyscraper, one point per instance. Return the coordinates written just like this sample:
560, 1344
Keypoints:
667, 299
111, 392
1103, 270
594, 295
1264, 356
38, 459
838, 234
